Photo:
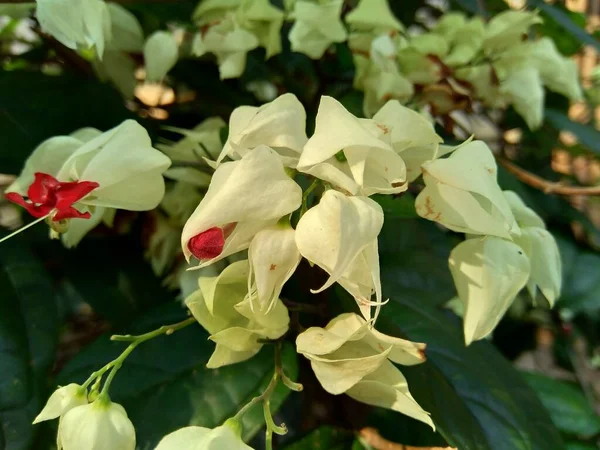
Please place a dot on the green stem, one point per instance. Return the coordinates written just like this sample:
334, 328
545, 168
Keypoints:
116, 364
29, 225
305, 195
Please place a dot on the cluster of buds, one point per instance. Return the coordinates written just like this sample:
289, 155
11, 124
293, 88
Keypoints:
507, 245
457, 61
250, 205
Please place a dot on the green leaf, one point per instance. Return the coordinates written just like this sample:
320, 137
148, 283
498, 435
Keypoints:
168, 373
568, 407
566, 43
581, 279
400, 207
587, 135
326, 437
34, 107
117, 292
477, 400
565, 22
28, 337
580, 446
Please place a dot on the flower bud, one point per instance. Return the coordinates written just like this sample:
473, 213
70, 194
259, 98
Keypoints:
200, 438
62, 401
462, 193
348, 356
100, 425
340, 236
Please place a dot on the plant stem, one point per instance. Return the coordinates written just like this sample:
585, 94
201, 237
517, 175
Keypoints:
305, 195
116, 364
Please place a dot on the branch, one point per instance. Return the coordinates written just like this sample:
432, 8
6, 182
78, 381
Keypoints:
375, 440
549, 187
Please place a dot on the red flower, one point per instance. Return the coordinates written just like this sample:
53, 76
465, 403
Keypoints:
47, 194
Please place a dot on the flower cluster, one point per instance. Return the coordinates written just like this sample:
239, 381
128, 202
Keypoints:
457, 61
507, 245
251, 203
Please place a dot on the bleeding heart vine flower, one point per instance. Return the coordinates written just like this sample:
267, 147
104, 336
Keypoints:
62, 401
243, 198
349, 356
223, 308
352, 153
87, 174
340, 236
462, 193
280, 124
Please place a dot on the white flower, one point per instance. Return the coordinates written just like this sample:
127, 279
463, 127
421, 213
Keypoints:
100, 425
200, 438
118, 169
373, 15
62, 401
462, 193
76, 23
160, 55
273, 256
412, 136
524, 89
488, 273
223, 308
126, 32
340, 236
243, 198
280, 124
316, 27
507, 29
348, 356
347, 152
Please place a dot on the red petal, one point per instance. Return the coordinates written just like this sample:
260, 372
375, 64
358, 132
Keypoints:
42, 189
69, 193
208, 244
35, 211
70, 213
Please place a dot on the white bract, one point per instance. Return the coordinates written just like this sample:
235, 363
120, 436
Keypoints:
280, 124
411, 135
100, 425
349, 356
541, 248
200, 438
223, 308
340, 236
349, 153
62, 401
160, 55
273, 256
488, 273
462, 193
316, 27
76, 23
243, 198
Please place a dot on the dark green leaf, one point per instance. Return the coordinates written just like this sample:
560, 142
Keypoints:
568, 407
34, 107
580, 446
164, 384
28, 336
587, 134
324, 438
478, 401
581, 279
401, 207
566, 22
566, 43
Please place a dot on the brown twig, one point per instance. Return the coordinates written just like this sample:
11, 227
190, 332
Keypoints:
372, 437
549, 187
